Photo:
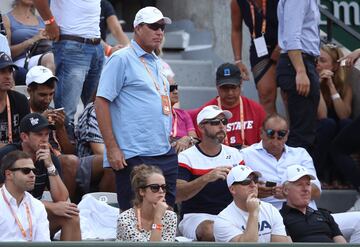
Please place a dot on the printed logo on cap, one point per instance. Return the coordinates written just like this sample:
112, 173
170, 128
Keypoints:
5, 57
34, 121
226, 72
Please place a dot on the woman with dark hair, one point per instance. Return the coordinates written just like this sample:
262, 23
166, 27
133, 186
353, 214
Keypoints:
149, 219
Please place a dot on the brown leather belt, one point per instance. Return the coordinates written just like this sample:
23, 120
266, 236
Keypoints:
91, 41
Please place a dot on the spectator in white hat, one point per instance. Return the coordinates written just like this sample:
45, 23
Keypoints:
246, 219
201, 185
132, 84
303, 223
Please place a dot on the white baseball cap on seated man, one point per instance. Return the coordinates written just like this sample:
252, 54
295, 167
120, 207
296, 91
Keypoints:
295, 172
239, 173
39, 74
150, 15
210, 112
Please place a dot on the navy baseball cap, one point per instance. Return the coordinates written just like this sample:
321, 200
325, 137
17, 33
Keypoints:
34, 122
6, 61
228, 74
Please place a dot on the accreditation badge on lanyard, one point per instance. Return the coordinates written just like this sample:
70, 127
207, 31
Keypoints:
260, 44
165, 102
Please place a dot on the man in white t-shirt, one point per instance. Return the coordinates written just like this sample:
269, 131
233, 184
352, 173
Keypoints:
23, 218
79, 56
246, 219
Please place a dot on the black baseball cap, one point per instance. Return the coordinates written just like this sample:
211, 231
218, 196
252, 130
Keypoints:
34, 122
228, 74
6, 61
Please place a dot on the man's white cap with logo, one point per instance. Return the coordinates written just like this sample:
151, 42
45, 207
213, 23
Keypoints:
210, 112
39, 74
239, 173
150, 15
295, 172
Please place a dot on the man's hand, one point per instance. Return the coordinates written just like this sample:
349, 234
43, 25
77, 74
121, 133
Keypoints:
52, 31
43, 153
116, 158
218, 173
244, 71
65, 209
181, 144
278, 192
58, 117
302, 83
264, 191
252, 204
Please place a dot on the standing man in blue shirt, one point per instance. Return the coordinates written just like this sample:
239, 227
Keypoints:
133, 108
299, 40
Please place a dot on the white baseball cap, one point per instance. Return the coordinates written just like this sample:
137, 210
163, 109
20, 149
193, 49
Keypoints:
239, 173
210, 112
150, 15
295, 172
39, 74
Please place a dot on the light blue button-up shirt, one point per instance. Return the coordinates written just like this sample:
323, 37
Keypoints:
299, 26
138, 122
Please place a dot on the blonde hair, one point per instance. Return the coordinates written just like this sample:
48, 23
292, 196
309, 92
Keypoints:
340, 74
139, 176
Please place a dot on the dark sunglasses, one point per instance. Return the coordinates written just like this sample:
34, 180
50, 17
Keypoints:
155, 187
216, 121
25, 170
155, 26
173, 87
280, 133
248, 181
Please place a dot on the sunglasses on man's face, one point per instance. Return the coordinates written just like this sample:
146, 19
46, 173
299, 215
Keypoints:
25, 170
280, 133
173, 87
155, 26
216, 121
248, 181
156, 187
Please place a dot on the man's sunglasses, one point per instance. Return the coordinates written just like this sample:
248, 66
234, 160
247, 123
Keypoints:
25, 170
280, 133
155, 26
216, 121
248, 181
155, 187
173, 87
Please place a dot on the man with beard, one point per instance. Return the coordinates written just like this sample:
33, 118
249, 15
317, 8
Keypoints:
201, 184
29, 223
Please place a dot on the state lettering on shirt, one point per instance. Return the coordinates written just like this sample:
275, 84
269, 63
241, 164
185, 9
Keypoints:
237, 125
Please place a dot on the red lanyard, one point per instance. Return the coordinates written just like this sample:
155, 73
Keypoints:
174, 132
28, 215
8, 108
263, 26
242, 127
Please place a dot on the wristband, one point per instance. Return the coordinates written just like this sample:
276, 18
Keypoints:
51, 171
50, 21
108, 50
156, 227
238, 61
335, 96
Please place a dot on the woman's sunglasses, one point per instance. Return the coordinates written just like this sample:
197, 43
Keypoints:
173, 87
155, 187
25, 170
280, 133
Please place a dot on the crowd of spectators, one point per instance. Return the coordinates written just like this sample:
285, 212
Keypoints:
226, 168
